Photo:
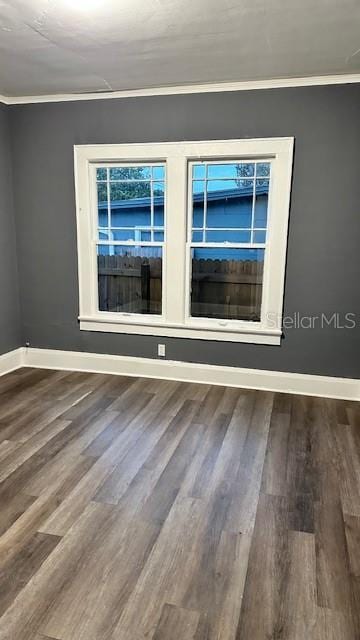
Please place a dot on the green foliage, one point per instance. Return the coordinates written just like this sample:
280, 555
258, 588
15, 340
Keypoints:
128, 183
247, 171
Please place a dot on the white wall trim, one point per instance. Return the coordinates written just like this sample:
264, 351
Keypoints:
327, 387
247, 85
12, 360
279, 381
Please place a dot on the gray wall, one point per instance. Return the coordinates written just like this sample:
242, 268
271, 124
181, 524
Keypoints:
10, 335
323, 267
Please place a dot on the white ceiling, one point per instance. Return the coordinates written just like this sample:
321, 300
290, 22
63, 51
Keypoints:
49, 46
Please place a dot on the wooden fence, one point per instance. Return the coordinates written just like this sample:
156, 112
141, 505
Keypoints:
227, 289
138, 290
220, 288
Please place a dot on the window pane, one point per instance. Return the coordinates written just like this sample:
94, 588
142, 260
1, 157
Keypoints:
261, 204
197, 236
263, 169
130, 279
229, 170
101, 174
159, 199
122, 234
227, 283
228, 236
198, 186
259, 236
130, 191
198, 203
229, 203
199, 171
130, 173
102, 194
158, 173
225, 185
130, 204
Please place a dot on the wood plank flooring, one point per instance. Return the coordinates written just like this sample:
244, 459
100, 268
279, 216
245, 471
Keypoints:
134, 509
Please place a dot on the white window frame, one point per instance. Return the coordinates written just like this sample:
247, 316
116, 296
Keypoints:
175, 320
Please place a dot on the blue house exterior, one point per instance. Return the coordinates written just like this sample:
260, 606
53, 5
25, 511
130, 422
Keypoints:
230, 217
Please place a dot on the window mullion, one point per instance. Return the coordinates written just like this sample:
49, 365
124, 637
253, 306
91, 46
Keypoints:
253, 206
152, 210
205, 203
174, 268
108, 200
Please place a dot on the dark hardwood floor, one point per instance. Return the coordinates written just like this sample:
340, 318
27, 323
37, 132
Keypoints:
136, 509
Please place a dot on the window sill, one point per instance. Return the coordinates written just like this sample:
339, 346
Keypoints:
251, 335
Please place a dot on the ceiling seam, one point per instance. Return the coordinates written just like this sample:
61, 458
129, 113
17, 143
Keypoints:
61, 48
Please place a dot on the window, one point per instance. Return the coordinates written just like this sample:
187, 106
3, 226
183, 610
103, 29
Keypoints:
131, 223
227, 227
184, 239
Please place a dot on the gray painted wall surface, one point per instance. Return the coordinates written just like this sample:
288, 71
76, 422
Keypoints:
323, 266
10, 334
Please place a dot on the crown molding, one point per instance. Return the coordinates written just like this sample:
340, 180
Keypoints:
248, 85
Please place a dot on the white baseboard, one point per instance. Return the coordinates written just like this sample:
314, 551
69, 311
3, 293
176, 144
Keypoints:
12, 360
324, 386
298, 383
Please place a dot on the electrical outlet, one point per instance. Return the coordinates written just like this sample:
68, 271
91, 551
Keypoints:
161, 350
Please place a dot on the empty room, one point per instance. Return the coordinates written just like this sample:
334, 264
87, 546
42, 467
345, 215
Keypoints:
179, 320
